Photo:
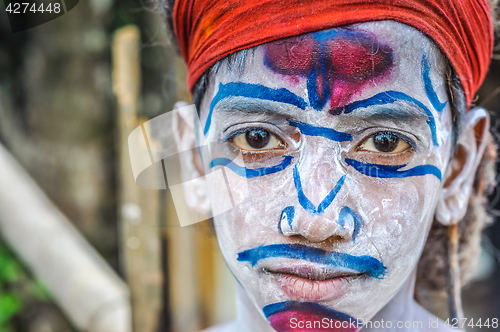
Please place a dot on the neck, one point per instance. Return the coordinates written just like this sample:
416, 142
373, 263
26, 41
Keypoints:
401, 308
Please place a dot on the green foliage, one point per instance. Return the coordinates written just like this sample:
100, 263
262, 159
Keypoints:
15, 287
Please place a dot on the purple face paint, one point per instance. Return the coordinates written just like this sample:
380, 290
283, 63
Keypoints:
336, 63
293, 316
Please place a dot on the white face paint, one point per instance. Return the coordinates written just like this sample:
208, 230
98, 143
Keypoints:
344, 136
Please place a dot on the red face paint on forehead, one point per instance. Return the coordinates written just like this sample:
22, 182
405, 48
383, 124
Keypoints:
337, 63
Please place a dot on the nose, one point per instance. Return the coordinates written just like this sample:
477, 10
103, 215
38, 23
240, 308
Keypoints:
320, 221
317, 228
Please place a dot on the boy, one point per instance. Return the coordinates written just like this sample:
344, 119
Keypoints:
350, 128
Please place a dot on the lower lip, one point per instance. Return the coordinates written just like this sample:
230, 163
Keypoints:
312, 290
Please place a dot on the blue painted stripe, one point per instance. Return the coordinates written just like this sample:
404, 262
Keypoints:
255, 91
306, 203
389, 97
388, 172
329, 133
362, 264
316, 101
345, 212
289, 213
311, 307
429, 90
248, 172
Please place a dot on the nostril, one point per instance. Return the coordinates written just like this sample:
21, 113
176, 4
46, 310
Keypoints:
333, 226
349, 218
287, 215
334, 238
285, 224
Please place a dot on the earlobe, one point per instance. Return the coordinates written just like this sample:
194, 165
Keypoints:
194, 184
459, 179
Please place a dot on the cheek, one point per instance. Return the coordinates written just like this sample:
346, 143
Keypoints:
399, 213
257, 206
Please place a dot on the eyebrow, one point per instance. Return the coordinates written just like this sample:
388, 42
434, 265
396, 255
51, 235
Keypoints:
255, 91
282, 95
389, 97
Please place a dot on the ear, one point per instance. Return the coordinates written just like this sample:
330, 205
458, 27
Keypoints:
194, 184
460, 175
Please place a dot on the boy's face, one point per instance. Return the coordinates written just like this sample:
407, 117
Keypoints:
345, 136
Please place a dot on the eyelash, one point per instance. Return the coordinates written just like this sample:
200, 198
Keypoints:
241, 131
250, 155
386, 158
410, 142
372, 156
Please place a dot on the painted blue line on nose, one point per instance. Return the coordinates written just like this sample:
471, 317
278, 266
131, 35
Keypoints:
306, 203
358, 221
289, 212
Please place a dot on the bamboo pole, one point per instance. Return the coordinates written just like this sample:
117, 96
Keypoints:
201, 289
138, 208
181, 251
93, 297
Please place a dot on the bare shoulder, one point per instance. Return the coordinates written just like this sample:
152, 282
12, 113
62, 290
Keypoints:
225, 327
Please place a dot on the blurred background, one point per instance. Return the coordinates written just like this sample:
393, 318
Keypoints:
65, 124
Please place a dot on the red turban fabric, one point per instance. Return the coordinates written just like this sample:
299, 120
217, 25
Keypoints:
209, 30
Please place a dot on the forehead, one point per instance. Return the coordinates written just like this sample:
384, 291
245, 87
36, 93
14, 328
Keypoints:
352, 62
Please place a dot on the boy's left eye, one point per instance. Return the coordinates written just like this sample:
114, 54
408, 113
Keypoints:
384, 143
257, 139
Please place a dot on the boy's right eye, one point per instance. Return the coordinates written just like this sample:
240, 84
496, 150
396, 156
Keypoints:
257, 139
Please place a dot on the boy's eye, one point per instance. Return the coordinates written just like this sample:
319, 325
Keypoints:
385, 143
257, 139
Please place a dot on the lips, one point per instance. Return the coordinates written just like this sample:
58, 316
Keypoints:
310, 282
310, 273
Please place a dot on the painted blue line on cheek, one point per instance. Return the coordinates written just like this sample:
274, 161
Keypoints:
345, 212
388, 172
389, 97
362, 264
429, 90
251, 173
255, 91
306, 203
288, 213
329, 133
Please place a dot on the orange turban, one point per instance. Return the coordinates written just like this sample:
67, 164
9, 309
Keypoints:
209, 30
